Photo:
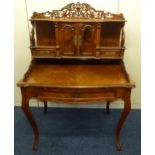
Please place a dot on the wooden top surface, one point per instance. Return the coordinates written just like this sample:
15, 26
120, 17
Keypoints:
77, 75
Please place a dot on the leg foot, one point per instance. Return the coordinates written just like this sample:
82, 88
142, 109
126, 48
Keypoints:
45, 107
119, 146
35, 147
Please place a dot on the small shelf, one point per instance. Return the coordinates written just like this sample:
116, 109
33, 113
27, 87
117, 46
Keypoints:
111, 48
76, 57
43, 47
45, 33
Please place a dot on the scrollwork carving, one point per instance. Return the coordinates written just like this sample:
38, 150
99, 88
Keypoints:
46, 14
77, 11
32, 40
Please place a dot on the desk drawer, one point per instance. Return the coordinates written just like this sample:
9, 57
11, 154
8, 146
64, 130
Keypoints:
76, 95
44, 53
111, 54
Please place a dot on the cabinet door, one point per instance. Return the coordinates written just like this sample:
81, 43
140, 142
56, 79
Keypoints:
67, 39
87, 40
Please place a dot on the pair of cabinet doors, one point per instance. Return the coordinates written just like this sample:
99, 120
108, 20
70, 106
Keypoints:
77, 39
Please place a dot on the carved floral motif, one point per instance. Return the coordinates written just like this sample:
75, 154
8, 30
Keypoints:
78, 10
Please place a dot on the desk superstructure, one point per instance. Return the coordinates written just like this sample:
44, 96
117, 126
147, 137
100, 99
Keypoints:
77, 58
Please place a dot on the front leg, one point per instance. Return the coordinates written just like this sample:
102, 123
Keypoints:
127, 107
28, 113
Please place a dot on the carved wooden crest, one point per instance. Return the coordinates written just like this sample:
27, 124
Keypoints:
77, 11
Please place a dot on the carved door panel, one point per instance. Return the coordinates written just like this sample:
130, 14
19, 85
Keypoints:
87, 40
67, 39
77, 39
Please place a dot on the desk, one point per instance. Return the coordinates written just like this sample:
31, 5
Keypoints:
77, 58
76, 83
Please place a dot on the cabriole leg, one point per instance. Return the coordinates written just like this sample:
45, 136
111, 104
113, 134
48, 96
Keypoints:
127, 107
28, 113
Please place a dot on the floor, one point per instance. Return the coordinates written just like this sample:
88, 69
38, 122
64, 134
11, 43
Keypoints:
67, 131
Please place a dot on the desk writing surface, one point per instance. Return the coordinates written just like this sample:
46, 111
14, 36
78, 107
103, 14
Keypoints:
88, 75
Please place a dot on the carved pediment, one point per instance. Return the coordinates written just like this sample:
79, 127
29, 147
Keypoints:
77, 11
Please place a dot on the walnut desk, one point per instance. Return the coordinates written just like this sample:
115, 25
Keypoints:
77, 58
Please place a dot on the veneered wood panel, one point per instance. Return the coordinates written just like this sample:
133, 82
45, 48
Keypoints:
87, 41
67, 37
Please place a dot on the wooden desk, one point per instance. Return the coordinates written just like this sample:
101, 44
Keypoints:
76, 82
77, 58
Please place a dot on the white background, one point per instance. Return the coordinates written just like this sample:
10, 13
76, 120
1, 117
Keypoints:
132, 54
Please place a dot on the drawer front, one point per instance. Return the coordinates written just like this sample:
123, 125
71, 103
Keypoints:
73, 95
44, 53
111, 54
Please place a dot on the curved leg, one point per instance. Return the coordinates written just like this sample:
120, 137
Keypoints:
107, 107
127, 107
28, 113
45, 107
